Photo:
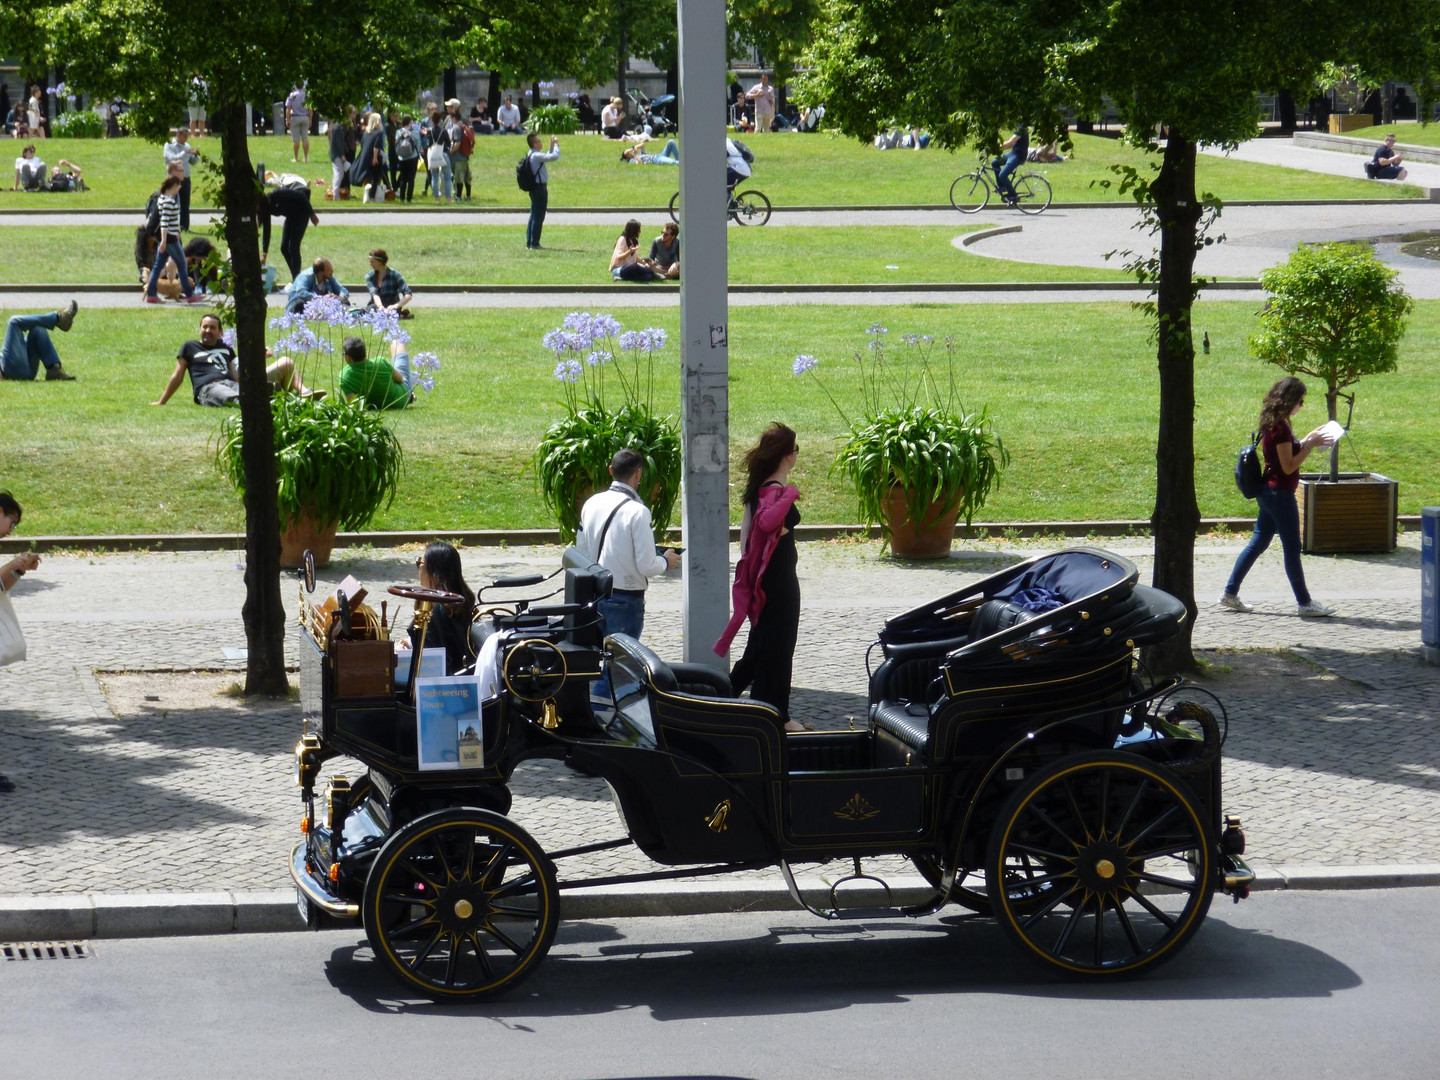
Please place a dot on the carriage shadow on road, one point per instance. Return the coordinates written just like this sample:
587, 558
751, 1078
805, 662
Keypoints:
795, 968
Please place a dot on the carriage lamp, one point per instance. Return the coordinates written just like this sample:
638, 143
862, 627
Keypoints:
305, 825
334, 872
337, 803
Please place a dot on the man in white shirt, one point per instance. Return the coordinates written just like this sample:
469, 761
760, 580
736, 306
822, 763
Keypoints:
178, 151
508, 118
736, 167
616, 532
538, 161
297, 119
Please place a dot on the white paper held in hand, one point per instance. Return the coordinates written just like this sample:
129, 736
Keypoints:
1331, 433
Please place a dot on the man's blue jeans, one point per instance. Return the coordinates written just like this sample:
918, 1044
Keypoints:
1003, 169
1278, 514
623, 614
28, 345
401, 363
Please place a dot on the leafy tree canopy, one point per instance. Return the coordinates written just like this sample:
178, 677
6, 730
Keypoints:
778, 29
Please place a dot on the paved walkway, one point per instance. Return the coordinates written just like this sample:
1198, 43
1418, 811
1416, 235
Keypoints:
1332, 756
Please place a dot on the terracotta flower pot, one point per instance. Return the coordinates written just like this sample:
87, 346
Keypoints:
929, 538
305, 533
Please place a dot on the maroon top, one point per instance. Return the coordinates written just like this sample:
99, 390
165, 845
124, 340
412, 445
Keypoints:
1276, 477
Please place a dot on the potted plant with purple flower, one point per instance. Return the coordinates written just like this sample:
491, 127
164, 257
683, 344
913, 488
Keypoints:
338, 463
608, 376
917, 459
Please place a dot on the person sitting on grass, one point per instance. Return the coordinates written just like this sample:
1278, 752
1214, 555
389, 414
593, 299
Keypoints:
317, 280
383, 384
665, 251
215, 371
29, 170
625, 261
636, 154
388, 289
28, 346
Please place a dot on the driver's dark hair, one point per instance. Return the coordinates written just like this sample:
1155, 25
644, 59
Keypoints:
9, 506
764, 458
625, 462
1280, 402
443, 562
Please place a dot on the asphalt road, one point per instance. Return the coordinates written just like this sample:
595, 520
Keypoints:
1283, 985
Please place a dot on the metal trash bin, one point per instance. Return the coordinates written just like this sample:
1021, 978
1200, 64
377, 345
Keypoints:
1429, 582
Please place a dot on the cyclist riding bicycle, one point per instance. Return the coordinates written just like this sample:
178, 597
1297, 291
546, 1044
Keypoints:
737, 164
1014, 151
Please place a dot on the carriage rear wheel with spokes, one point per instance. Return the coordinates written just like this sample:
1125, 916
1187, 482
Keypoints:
1117, 864
461, 903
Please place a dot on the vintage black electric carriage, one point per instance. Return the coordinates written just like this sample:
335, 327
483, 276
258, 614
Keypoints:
1013, 751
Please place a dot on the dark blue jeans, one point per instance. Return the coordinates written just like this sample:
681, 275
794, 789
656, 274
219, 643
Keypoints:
1003, 169
622, 615
1278, 515
176, 254
539, 203
28, 345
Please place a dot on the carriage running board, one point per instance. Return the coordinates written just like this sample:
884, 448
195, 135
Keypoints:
932, 904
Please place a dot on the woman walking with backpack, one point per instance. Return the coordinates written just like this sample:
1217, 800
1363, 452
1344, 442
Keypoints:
1278, 514
407, 159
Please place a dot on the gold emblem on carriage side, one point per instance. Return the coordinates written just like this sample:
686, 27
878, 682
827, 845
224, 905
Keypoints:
857, 809
718, 820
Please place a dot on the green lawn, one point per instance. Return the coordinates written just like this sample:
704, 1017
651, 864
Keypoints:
1072, 389
1407, 132
492, 254
794, 170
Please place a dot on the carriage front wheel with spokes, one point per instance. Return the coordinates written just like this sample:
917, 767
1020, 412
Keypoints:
460, 903
1118, 854
749, 207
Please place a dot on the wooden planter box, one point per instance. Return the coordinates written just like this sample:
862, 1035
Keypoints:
1355, 514
1343, 122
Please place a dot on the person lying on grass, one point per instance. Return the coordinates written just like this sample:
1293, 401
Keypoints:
384, 384
215, 371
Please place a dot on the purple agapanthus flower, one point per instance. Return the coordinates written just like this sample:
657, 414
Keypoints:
633, 339
568, 370
596, 358
228, 337
655, 338
803, 363
604, 326
876, 328
427, 361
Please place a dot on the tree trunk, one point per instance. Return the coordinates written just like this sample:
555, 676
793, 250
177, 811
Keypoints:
622, 59
492, 95
1332, 412
1285, 105
1176, 517
263, 613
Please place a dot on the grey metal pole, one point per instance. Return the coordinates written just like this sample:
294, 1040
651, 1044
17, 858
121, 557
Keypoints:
704, 329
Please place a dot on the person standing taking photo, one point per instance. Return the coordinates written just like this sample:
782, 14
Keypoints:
12, 641
767, 586
1278, 514
540, 190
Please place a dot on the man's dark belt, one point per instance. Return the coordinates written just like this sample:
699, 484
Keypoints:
627, 592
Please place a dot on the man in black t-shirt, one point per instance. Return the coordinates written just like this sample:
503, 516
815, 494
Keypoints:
1013, 151
215, 371
1385, 164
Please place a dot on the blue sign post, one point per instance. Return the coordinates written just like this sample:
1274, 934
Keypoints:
1429, 602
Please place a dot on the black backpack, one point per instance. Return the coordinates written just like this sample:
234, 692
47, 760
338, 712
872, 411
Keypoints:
152, 215
525, 174
745, 151
1250, 469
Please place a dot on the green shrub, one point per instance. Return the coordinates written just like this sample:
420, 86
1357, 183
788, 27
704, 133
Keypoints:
78, 124
553, 120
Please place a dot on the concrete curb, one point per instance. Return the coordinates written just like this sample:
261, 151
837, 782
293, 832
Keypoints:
109, 915
608, 289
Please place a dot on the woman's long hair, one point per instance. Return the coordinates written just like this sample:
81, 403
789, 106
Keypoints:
443, 562
1280, 402
775, 445
632, 231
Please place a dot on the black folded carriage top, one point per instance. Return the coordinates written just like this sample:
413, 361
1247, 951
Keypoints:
1069, 605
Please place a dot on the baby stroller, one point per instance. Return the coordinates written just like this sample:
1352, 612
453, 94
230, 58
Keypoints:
652, 115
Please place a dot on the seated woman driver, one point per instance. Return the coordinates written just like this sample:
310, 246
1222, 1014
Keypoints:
449, 628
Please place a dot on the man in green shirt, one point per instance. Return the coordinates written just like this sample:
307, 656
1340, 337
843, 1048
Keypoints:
384, 384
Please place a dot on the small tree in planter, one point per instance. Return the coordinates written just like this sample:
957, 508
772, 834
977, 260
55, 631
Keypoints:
1335, 313
917, 459
596, 359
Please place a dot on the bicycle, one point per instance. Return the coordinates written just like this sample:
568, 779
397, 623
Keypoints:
971, 193
750, 207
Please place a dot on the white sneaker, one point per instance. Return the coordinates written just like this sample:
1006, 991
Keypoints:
1234, 603
1315, 610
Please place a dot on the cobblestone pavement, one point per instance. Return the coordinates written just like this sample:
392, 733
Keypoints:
1331, 758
